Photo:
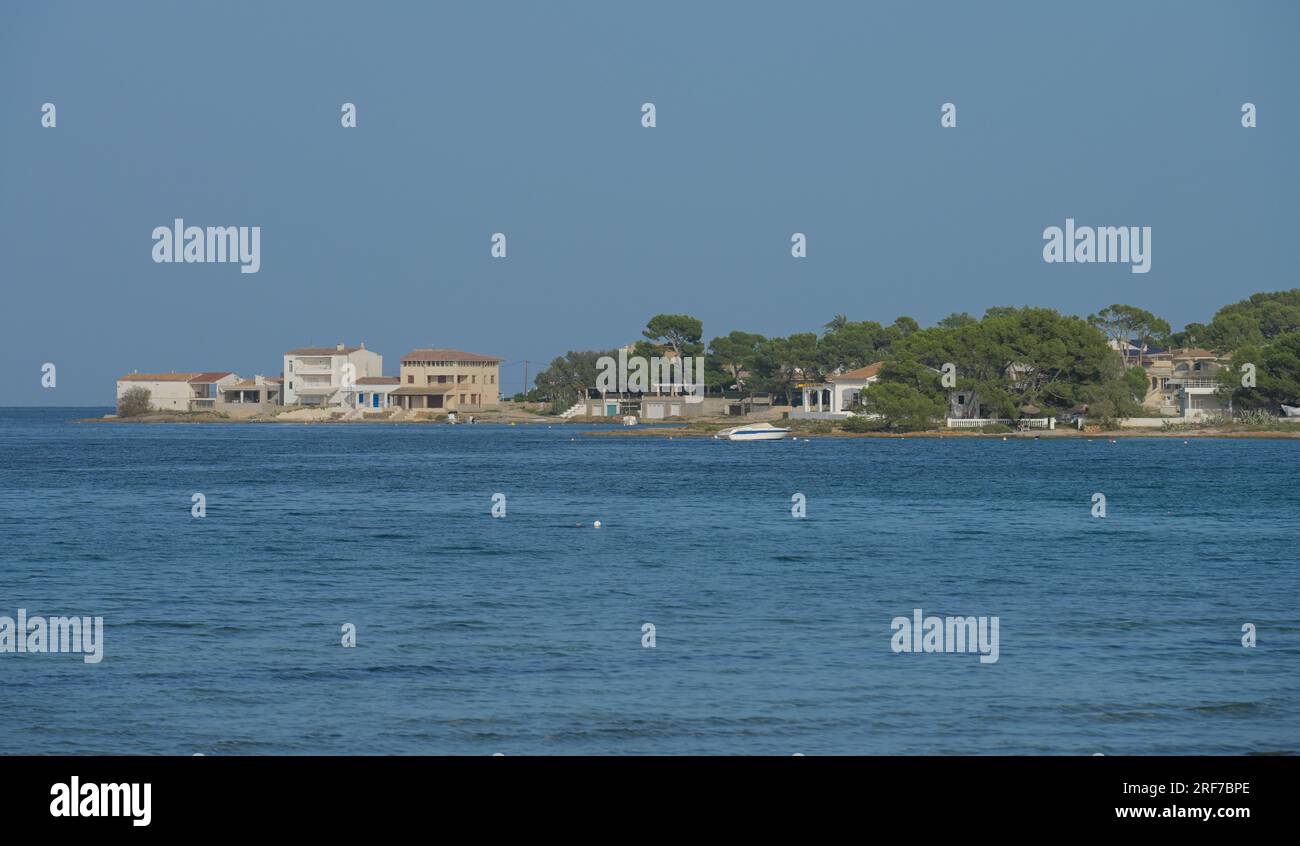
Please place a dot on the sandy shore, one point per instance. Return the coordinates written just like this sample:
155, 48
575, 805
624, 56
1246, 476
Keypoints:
697, 429
1054, 434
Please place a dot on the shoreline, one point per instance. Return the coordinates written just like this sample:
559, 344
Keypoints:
938, 435
699, 430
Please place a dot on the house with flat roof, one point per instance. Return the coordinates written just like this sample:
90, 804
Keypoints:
440, 379
188, 391
374, 393
249, 397
320, 376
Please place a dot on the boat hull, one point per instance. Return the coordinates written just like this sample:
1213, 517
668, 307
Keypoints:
761, 435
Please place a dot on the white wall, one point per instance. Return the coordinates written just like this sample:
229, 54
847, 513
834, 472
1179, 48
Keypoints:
364, 362
163, 396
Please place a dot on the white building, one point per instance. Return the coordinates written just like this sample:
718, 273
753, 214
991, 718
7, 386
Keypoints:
835, 398
373, 393
327, 376
178, 391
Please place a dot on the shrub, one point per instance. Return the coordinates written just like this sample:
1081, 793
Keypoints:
812, 427
1258, 418
134, 402
861, 424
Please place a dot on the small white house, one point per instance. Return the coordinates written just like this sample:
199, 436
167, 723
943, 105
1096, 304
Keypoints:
189, 391
372, 393
325, 376
835, 398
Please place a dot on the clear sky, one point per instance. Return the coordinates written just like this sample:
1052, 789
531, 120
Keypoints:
525, 118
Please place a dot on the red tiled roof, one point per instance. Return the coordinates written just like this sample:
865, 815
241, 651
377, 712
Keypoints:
158, 377
861, 373
323, 351
247, 385
212, 376
446, 355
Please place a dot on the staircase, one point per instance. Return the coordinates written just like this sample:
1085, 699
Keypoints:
573, 410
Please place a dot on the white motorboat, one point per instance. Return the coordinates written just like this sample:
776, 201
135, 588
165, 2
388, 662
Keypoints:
754, 432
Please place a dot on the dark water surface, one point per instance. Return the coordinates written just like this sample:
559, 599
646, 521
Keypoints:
523, 635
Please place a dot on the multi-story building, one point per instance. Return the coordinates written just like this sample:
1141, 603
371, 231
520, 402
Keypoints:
448, 380
178, 391
1184, 382
325, 376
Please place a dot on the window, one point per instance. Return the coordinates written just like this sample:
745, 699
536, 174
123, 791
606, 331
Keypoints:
410, 378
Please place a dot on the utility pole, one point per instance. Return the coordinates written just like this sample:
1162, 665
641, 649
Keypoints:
525, 390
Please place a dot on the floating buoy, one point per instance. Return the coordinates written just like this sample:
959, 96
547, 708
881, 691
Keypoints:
596, 525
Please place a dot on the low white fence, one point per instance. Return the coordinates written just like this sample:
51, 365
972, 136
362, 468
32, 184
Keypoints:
979, 422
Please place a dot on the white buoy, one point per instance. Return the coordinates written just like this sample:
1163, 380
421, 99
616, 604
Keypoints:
596, 525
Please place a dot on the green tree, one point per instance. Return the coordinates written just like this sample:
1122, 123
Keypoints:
679, 332
902, 407
781, 363
1256, 320
1010, 358
849, 345
1193, 335
733, 353
567, 378
134, 402
1277, 374
1125, 323
956, 321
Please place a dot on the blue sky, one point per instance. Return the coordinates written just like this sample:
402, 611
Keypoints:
524, 118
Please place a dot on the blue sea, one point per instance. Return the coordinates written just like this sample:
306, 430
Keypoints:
523, 634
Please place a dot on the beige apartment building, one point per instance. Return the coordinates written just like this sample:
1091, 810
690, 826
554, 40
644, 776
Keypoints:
448, 380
